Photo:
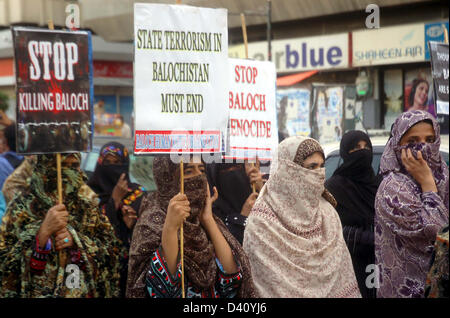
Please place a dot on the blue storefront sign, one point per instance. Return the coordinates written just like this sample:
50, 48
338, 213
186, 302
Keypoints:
434, 32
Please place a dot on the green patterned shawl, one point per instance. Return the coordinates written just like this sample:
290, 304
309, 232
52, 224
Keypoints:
92, 233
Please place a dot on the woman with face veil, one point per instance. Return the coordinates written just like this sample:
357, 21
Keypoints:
234, 185
214, 262
294, 236
36, 228
354, 186
120, 199
411, 205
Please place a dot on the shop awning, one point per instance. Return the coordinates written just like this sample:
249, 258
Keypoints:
294, 79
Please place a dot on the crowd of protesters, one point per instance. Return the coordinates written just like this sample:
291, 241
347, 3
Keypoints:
293, 235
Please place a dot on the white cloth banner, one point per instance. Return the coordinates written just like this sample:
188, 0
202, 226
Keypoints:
253, 130
180, 71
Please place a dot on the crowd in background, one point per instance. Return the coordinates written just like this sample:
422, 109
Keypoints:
357, 234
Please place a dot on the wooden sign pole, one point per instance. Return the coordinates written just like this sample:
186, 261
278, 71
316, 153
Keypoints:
61, 254
445, 33
181, 233
244, 35
58, 167
183, 295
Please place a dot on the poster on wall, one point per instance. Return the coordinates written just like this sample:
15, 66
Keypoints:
54, 90
328, 119
359, 115
295, 103
434, 32
418, 90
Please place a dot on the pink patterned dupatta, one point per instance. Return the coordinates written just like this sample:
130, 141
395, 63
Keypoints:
294, 235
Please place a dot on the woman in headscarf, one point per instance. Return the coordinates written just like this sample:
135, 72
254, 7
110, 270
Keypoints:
214, 262
411, 204
354, 186
236, 199
39, 237
120, 199
294, 236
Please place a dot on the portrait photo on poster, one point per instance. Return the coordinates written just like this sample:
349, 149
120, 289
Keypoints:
418, 91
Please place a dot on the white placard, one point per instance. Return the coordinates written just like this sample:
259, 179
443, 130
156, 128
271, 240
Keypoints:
253, 130
180, 71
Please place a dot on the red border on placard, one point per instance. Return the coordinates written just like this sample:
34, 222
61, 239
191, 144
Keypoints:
246, 158
252, 148
176, 132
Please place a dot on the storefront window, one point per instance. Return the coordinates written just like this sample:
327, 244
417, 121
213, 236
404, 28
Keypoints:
393, 92
112, 119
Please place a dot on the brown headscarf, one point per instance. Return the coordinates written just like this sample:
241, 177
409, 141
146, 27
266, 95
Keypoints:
306, 149
199, 256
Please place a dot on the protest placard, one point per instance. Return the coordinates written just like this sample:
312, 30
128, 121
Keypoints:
440, 71
54, 90
180, 78
253, 130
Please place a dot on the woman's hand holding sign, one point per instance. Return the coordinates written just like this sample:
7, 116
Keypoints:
177, 212
55, 220
63, 239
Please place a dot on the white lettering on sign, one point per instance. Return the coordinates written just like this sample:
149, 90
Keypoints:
64, 57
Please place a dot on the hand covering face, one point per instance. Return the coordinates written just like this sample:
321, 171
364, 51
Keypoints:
407, 220
199, 256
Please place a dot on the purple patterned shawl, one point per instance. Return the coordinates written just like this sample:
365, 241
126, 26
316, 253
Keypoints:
407, 220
